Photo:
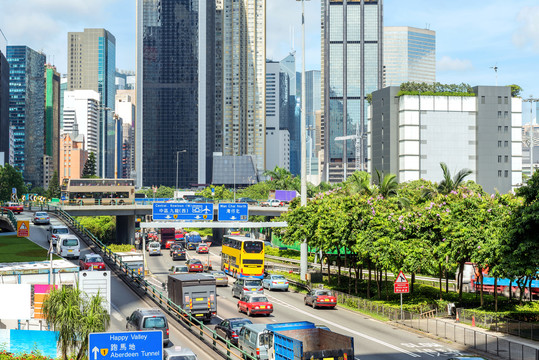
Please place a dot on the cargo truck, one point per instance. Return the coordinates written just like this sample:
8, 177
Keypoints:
283, 195
96, 282
294, 341
194, 293
133, 260
168, 236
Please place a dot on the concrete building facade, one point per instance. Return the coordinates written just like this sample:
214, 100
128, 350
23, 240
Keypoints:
409, 55
351, 69
411, 135
73, 156
243, 31
81, 107
4, 108
27, 111
91, 63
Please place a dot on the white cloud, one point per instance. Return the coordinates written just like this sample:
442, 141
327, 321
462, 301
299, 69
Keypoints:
527, 33
447, 63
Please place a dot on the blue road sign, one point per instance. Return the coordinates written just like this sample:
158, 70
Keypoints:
233, 212
63, 198
13, 190
182, 211
146, 345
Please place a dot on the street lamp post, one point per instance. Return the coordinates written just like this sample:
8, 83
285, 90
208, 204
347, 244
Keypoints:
177, 164
303, 124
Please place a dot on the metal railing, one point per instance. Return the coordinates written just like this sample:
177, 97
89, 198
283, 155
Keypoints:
499, 324
11, 217
133, 279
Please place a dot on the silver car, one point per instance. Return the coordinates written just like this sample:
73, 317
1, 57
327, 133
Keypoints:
41, 217
247, 286
154, 248
179, 353
275, 282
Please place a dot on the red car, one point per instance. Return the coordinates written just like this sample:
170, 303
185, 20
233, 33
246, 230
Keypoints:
255, 304
14, 207
169, 243
92, 262
202, 249
194, 265
320, 298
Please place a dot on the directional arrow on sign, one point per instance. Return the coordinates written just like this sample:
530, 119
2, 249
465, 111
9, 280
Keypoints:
95, 350
197, 217
168, 216
233, 217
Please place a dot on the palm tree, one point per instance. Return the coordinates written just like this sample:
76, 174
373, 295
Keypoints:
448, 183
388, 187
74, 315
282, 178
359, 182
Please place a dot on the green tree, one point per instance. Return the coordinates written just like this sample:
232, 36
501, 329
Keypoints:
219, 193
74, 315
54, 190
281, 178
37, 190
89, 170
515, 90
448, 183
11, 178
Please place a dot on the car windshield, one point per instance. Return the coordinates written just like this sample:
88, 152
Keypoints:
252, 282
278, 277
182, 357
155, 245
62, 231
94, 259
253, 247
218, 273
259, 299
70, 242
41, 214
324, 293
156, 322
195, 262
239, 324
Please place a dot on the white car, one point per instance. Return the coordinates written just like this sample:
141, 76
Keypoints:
154, 248
274, 203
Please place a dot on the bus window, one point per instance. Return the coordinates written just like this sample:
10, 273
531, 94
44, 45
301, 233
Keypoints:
253, 247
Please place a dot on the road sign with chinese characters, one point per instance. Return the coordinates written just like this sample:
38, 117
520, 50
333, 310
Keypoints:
401, 284
146, 345
182, 211
233, 212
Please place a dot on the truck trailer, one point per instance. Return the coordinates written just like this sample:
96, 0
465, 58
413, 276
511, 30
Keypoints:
194, 293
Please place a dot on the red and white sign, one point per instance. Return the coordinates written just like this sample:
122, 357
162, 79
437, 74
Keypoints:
401, 284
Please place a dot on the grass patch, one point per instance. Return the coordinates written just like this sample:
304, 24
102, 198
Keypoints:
15, 249
120, 247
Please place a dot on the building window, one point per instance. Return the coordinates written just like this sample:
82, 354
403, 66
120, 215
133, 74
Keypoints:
482, 99
506, 114
506, 158
500, 129
499, 158
505, 143
506, 100
499, 173
499, 99
506, 173
499, 143
499, 114
506, 128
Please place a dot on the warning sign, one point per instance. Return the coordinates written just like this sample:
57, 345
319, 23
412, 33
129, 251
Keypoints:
401, 284
23, 228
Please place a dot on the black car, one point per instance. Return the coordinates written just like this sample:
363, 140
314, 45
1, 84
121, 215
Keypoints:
229, 328
247, 200
178, 253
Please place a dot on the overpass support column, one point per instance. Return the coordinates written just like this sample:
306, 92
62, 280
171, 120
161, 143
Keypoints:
125, 229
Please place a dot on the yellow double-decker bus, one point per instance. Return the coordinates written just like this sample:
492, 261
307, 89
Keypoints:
98, 191
242, 257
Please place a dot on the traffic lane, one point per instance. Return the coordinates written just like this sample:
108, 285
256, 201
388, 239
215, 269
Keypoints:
373, 339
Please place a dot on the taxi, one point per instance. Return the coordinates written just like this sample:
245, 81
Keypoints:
92, 262
202, 248
320, 298
255, 304
194, 265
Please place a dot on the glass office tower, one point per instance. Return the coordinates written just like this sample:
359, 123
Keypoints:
351, 69
27, 111
175, 92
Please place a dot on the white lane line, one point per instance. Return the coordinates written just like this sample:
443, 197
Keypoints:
349, 330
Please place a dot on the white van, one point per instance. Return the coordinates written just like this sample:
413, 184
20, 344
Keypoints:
54, 231
68, 246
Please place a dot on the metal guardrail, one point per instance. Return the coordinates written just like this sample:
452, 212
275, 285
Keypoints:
11, 217
206, 334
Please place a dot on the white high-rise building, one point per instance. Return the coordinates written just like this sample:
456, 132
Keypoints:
82, 107
243, 76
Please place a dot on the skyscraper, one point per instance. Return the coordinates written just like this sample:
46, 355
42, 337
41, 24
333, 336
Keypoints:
289, 117
351, 69
4, 108
312, 104
81, 107
243, 75
91, 62
52, 124
409, 55
27, 111
175, 92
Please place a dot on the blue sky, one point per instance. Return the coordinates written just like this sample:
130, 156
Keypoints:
471, 36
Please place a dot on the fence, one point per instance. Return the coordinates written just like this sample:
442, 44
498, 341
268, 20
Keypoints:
12, 219
206, 334
500, 324
447, 329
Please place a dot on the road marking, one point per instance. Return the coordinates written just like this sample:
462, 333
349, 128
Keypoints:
349, 330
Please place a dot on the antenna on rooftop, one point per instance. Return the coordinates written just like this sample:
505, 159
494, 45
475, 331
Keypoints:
495, 68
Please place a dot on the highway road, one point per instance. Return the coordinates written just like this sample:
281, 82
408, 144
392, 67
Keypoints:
373, 339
